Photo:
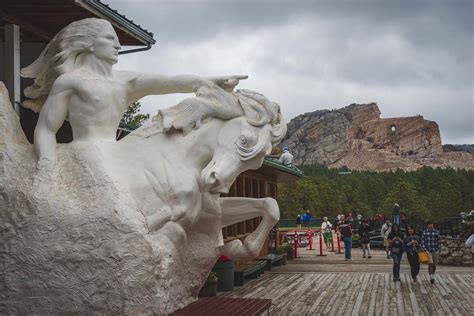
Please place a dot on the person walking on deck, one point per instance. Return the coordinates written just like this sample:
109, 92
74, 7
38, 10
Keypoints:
385, 231
411, 245
307, 219
345, 229
395, 238
326, 227
364, 231
396, 213
298, 222
432, 244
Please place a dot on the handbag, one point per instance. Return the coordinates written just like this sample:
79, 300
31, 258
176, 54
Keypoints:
423, 257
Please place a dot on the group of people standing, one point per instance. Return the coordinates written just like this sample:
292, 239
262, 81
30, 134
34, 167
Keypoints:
396, 243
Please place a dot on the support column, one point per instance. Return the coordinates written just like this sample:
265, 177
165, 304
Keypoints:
12, 64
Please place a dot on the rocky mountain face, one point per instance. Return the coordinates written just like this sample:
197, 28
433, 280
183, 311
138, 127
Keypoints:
357, 137
466, 148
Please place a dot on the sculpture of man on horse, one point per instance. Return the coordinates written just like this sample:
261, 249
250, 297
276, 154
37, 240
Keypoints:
144, 214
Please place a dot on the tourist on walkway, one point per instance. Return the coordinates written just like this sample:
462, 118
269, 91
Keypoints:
432, 244
364, 231
326, 227
385, 231
372, 221
298, 222
350, 219
307, 219
345, 229
379, 219
411, 245
395, 239
396, 213
286, 158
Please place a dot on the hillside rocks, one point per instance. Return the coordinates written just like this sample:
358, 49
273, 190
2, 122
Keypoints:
357, 137
466, 148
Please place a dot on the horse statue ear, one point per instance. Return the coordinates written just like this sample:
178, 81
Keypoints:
256, 106
278, 125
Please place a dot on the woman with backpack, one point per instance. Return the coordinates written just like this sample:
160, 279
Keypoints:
395, 239
411, 245
364, 231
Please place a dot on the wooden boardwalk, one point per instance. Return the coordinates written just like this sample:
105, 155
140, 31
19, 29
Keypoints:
361, 292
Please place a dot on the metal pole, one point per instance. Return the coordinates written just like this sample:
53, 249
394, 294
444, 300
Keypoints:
321, 245
296, 245
332, 241
338, 244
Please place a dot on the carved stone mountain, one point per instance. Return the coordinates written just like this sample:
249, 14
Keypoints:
357, 137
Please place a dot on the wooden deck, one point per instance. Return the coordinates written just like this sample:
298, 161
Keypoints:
361, 292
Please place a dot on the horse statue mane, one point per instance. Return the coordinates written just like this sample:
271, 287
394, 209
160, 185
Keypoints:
211, 101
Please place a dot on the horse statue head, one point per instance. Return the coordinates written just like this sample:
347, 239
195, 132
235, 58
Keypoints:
249, 125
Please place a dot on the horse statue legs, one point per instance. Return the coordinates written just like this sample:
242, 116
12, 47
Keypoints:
236, 210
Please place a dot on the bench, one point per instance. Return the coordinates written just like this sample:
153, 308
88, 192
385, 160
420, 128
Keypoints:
210, 306
250, 270
273, 260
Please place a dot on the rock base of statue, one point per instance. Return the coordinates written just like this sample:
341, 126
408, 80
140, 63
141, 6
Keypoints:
76, 245
98, 233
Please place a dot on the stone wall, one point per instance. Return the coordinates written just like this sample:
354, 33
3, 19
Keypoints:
454, 252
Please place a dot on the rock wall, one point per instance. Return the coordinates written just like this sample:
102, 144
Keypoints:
357, 137
454, 252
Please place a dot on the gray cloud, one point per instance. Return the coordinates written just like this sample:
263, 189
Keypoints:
412, 57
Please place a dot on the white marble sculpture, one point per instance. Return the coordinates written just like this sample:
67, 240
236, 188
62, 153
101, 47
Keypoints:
132, 226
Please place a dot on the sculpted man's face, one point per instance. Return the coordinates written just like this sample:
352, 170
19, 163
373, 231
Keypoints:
106, 45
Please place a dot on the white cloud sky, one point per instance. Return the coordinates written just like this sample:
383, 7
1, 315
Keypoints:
411, 57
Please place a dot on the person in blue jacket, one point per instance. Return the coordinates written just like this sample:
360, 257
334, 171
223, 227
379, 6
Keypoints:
307, 219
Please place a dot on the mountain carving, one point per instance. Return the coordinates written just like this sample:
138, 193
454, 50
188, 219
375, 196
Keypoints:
357, 137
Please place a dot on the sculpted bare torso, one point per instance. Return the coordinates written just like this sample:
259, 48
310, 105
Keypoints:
93, 97
96, 106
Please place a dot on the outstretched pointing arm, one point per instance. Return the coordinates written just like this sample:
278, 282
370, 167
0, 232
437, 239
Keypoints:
141, 84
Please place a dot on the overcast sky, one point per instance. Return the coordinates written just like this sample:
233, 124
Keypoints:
411, 57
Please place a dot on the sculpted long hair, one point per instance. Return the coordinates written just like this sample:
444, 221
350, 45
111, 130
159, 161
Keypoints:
61, 55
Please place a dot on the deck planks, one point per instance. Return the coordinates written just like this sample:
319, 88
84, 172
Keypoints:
303, 293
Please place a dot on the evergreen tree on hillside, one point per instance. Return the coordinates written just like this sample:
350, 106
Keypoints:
422, 194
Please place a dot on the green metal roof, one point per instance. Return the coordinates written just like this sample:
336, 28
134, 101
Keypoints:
275, 164
128, 127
